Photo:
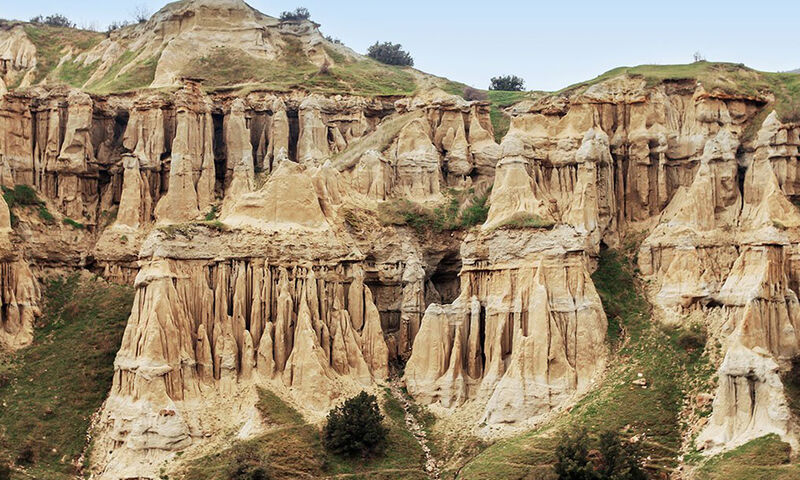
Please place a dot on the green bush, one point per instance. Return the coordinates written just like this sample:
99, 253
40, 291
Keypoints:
299, 14
55, 20
72, 223
45, 215
21, 195
507, 83
612, 458
693, 338
355, 427
477, 212
212, 215
526, 220
390, 54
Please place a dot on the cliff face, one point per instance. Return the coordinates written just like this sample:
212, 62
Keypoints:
251, 223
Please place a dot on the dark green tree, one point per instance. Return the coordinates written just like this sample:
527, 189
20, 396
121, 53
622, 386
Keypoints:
619, 459
507, 83
390, 54
613, 458
572, 457
55, 20
297, 15
355, 427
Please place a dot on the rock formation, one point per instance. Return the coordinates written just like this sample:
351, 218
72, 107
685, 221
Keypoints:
251, 223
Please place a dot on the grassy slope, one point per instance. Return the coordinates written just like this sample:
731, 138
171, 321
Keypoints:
767, 458
500, 100
49, 390
731, 78
52, 43
639, 347
292, 449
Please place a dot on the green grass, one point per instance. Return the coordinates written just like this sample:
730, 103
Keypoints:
45, 215
726, 78
766, 458
293, 449
526, 220
72, 223
140, 75
226, 67
461, 209
53, 42
48, 391
501, 100
74, 73
616, 404
23, 195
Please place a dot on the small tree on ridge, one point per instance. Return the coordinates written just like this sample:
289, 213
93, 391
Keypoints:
507, 83
390, 54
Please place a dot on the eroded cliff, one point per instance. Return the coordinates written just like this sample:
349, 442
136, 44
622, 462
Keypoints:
300, 241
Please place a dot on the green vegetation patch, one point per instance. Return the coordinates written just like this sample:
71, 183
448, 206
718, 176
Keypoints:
766, 458
226, 67
52, 43
500, 101
49, 390
72, 223
74, 73
293, 449
726, 78
461, 209
135, 75
526, 220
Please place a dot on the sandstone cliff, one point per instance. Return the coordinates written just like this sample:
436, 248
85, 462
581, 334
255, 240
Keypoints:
251, 224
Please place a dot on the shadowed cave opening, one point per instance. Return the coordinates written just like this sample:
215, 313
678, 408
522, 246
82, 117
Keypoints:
220, 153
446, 280
294, 132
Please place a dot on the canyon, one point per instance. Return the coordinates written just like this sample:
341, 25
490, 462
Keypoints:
273, 239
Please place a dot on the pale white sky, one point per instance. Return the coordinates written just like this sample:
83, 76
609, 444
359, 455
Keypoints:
551, 44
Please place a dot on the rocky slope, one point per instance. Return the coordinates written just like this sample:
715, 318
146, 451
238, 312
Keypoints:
306, 242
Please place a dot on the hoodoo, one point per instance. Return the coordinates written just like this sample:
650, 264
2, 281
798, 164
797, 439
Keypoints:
313, 223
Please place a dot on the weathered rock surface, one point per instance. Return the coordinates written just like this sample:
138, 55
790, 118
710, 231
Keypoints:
250, 225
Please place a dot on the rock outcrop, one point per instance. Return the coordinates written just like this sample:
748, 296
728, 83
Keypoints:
251, 223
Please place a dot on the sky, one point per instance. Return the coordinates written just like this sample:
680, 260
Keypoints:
551, 44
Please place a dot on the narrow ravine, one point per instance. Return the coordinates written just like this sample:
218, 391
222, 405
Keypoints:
413, 426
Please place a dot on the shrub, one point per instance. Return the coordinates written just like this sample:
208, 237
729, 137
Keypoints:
116, 25
473, 94
212, 215
693, 338
612, 459
72, 223
572, 457
141, 13
45, 215
21, 195
27, 456
507, 83
477, 212
333, 40
390, 54
299, 14
55, 20
355, 427
526, 220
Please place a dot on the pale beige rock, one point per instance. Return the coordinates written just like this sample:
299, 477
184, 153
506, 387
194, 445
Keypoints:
287, 200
